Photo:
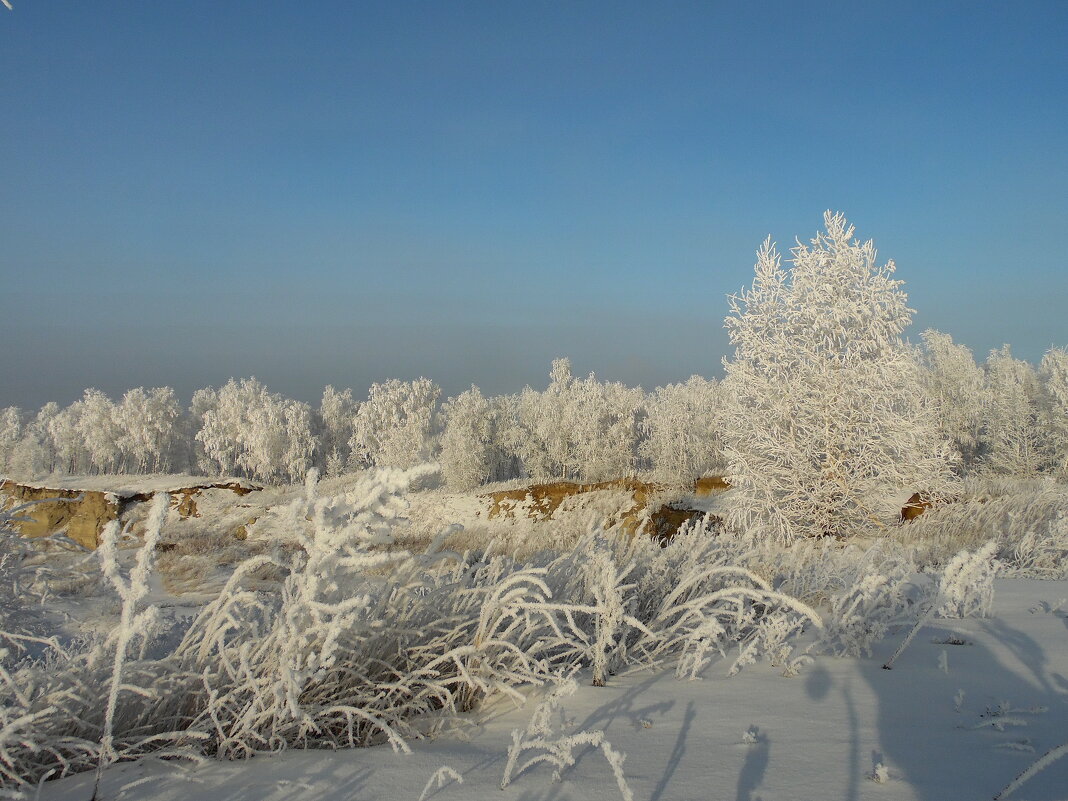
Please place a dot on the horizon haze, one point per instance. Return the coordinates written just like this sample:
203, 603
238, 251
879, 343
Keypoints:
344, 193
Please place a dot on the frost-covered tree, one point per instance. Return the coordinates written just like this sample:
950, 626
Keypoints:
467, 440
256, 433
11, 429
540, 436
226, 422
1054, 374
825, 408
336, 413
577, 428
510, 437
394, 427
34, 454
1015, 445
100, 431
204, 400
681, 428
152, 431
603, 426
955, 384
63, 428
301, 445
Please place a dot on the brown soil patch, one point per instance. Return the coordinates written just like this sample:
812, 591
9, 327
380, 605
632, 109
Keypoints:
709, 485
914, 507
647, 515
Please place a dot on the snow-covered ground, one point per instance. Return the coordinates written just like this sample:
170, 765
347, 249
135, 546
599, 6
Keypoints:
967, 706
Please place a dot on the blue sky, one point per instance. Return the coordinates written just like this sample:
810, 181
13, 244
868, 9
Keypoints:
341, 192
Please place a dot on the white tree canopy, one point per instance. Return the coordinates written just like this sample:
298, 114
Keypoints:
826, 409
955, 383
394, 427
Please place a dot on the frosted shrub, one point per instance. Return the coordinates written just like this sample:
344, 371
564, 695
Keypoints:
52, 718
864, 613
966, 588
22, 576
693, 607
297, 680
13, 552
1042, 551
1024, 517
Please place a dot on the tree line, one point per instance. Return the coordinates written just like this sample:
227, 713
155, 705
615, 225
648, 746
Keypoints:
1003, 417
823, 403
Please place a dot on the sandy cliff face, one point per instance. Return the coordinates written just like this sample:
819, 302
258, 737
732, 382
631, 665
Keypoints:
648, 508
83, 513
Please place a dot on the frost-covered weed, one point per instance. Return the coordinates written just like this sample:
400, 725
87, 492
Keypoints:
440, 777
558, 750
863, 614
136, 621
1038, 765
695, 606
368, 643
13, 573
1027, 519
966, 588
605, 588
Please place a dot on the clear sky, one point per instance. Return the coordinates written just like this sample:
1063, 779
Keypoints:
341, 192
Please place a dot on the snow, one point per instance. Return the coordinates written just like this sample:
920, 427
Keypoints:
757, 735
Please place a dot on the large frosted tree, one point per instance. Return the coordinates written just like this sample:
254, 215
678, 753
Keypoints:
825, 410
